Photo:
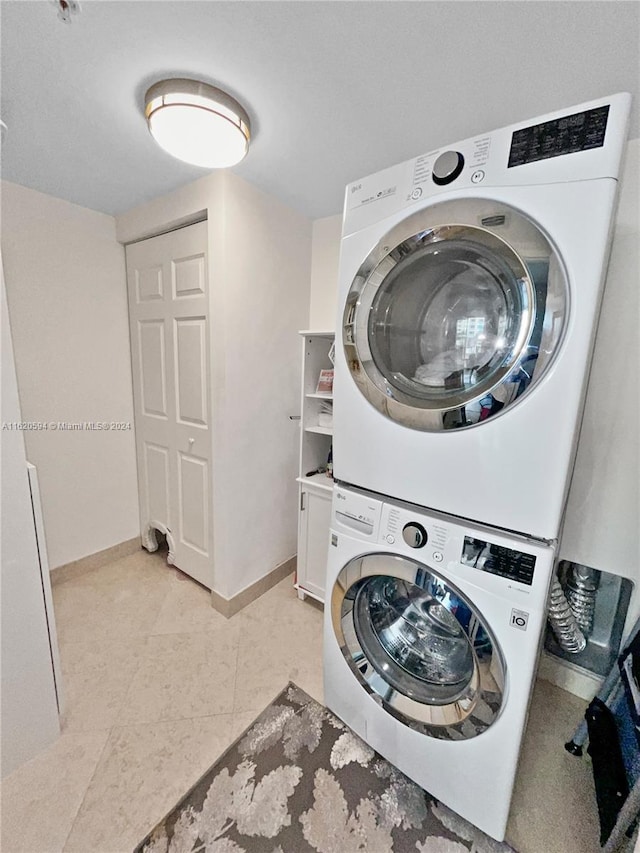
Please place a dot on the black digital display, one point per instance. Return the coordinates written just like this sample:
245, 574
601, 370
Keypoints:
566, 135
498, 560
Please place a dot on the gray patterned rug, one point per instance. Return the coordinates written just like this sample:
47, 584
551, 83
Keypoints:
300, 781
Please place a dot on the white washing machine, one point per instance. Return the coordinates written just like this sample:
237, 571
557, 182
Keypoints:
469, 289
431, 638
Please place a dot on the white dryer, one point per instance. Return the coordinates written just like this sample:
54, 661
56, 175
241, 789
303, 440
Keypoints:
469, 289
431, 638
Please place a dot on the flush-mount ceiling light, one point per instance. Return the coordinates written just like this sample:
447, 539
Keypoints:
197, 123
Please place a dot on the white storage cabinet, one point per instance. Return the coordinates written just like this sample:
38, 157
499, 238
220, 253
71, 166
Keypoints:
316, 489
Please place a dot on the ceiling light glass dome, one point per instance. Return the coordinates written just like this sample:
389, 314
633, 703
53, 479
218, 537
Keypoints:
197, 123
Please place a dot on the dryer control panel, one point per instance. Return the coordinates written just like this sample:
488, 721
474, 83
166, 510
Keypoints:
575, 144
577, 132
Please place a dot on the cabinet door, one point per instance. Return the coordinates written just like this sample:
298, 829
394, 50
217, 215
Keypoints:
168, 309
29, 712
315, 518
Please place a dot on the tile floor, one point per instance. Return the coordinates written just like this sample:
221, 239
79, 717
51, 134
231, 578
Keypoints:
157, 684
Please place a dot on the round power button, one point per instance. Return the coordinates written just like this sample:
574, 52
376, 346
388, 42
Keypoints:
437, 556
414, 535
447, 168
477, 176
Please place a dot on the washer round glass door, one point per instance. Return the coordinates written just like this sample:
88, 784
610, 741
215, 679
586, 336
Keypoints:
418, 645
447, 324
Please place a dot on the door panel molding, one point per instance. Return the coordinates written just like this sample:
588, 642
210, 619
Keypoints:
193, 515
153, 367
156, 460
191, 370
148, 285
188, 276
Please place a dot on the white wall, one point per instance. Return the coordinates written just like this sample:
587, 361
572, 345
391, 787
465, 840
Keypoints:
259, 269
602, 518
66, 290
268, 253
325, 256
603, 511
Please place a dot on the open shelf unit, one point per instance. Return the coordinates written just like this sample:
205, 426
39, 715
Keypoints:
315, 486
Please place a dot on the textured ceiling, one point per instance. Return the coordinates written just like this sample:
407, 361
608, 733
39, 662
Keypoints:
335, 90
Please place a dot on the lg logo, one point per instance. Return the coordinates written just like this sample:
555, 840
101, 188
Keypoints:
519, 619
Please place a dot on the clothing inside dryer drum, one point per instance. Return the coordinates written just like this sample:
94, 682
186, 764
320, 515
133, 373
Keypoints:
416, 643
446, 318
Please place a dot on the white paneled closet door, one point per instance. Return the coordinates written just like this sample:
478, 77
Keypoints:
169, 319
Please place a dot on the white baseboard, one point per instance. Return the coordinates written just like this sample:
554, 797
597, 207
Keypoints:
230, 606
569, 677
94, 561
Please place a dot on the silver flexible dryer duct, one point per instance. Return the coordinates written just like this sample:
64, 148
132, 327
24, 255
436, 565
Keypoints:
563, 622
581, 588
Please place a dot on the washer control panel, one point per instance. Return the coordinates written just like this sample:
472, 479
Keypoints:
439, 542
511, 566
515, 568
498, 560
427, 535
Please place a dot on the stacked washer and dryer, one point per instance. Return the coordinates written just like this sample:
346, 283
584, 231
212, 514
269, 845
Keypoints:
469, 289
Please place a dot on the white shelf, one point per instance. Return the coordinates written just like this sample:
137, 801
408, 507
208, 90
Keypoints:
320, 430
317, 396
308, 333
318, 481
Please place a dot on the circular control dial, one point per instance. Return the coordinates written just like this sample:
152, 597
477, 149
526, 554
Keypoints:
414, 535
447, 167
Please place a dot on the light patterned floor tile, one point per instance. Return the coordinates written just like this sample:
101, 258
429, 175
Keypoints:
129, 571
280, 641
96, 676
144, 771
120, 600
184, 675
40, 800
554, 805
187, 609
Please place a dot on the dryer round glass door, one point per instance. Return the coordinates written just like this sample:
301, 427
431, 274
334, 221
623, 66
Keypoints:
455, 315
418, 645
